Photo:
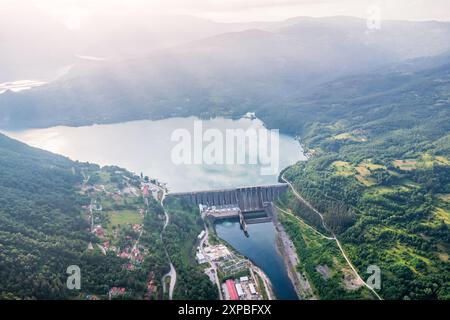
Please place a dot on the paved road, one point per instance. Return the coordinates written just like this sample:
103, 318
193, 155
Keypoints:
172, 273
211, 263
299, 197
307, 225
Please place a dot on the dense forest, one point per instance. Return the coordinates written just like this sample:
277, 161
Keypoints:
43, 230
181, 241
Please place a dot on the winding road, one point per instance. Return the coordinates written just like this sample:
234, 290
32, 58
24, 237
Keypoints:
299, 197
172, 273
211, 263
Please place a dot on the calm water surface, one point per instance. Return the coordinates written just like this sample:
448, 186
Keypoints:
146, 146
260, 248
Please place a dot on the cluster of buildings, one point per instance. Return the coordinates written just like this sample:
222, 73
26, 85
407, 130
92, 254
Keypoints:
212, 253
137, 228
228, 264
226, 261
116, 292
148, 189
243, 288
109, 247
99, 231
220, 212
217, 252
135, 254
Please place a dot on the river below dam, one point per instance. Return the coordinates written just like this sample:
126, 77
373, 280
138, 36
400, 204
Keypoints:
147, 147
260, 248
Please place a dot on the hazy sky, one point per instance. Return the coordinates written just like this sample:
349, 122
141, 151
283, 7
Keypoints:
250, 10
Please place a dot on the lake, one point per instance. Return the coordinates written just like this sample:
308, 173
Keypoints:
146, 146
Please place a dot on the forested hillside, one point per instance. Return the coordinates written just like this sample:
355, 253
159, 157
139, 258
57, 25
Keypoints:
380, 172
228, 74
43, 231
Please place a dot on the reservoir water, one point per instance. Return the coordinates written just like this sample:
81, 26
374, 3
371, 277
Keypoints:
146, 146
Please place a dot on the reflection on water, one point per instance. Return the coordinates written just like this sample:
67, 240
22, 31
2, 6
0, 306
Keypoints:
260, 248
145, 146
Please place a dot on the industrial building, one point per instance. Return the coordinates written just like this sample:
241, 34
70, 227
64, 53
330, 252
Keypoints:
201, 235
232, 290
252, 288
239, 290
200, 258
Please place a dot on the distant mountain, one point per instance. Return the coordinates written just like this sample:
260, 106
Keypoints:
38, 45
225, 74
406, 95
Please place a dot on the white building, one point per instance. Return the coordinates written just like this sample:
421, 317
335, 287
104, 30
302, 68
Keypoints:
201, 235
201, 258
252, 288
239, 290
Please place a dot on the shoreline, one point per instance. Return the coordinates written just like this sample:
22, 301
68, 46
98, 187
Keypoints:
253, 268
291, 260
265, 279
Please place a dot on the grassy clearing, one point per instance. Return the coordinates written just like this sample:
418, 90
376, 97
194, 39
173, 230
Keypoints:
342, 168
443, 256
439, 216
426, 161
367, 181
375, 232
443, 252
383, 190
350, 137
362, 172
444, 197
405, 165
442, 215
408, 257
443, 160
374, 166
123, 217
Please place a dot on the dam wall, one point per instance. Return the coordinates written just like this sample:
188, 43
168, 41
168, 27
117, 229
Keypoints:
248, 199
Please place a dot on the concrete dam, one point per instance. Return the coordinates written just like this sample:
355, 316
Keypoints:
247, 199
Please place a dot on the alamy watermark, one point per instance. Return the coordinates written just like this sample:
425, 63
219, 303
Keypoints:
237, 146
74, 278
374, 280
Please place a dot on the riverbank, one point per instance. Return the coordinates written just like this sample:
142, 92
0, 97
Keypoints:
287, 250
261, 280
291, 260
268, 289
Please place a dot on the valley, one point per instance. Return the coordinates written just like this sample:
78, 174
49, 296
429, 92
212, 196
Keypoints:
180, 158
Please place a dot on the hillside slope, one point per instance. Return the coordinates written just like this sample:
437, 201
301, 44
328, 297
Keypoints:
227, 74
42, 231
380, 174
